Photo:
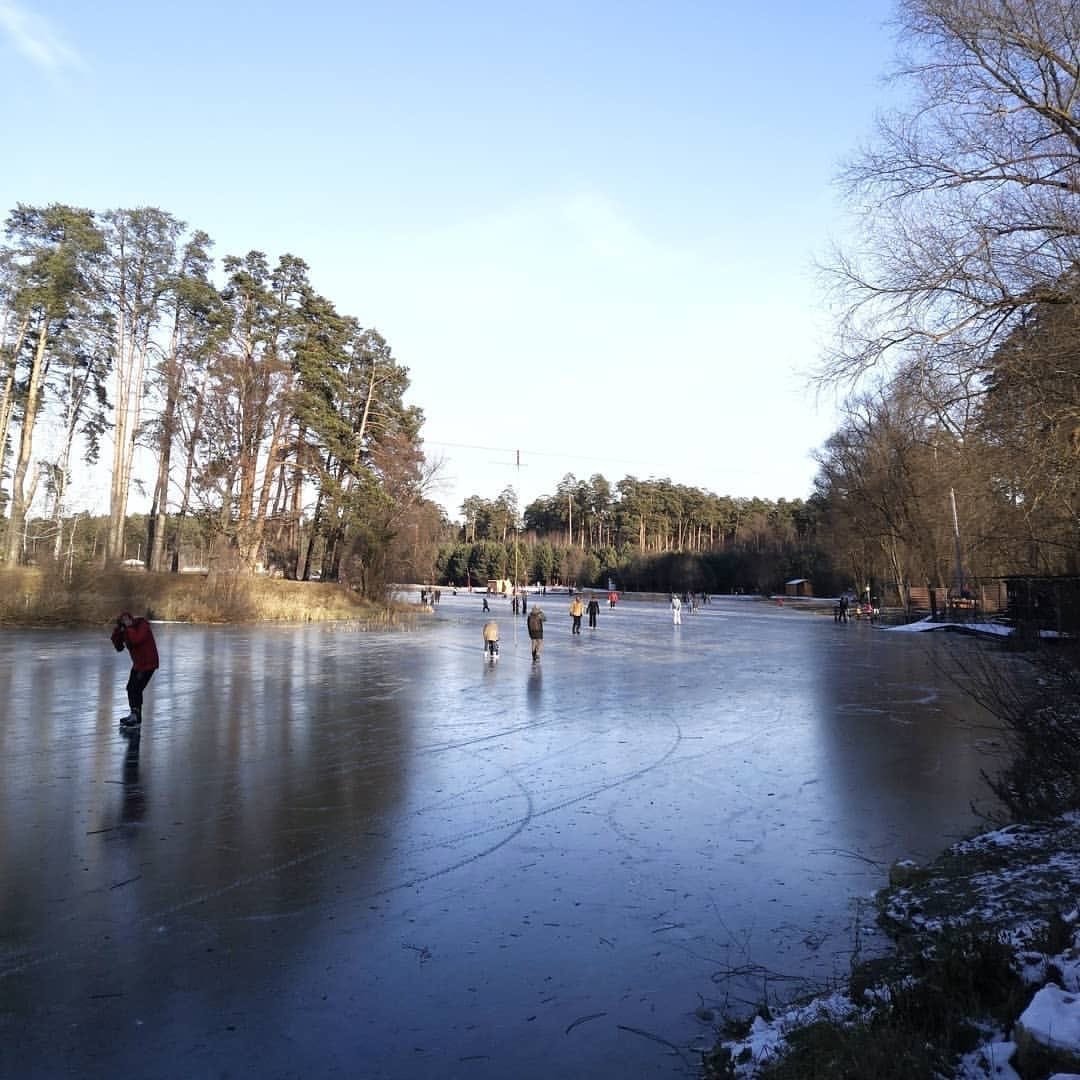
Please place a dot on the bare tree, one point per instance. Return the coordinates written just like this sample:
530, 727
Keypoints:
192, 303
970, 192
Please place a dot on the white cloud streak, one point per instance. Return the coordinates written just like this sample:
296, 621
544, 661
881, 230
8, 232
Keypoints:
36, 39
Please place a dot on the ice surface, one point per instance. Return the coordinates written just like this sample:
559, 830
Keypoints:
377, 854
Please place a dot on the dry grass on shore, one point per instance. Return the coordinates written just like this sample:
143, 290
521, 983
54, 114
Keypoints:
92, 596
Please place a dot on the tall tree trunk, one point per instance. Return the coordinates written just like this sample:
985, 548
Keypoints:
78, 386
134, 418
20, 499
296, 508
257, 529
899, 576
189, 475
7, 389
115, 537
155, 546
316, 521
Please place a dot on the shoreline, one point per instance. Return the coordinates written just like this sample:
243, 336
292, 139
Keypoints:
30, 597
1003, 902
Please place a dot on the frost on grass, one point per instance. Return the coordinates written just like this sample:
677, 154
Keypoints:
1010, 880
766, 1039
1018, 886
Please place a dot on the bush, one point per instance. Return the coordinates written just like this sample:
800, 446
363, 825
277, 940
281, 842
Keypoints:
1043, 722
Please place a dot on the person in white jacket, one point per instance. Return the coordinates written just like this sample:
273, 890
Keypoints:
676, 610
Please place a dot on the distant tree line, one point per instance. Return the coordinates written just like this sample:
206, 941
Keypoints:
638, 534
274, 420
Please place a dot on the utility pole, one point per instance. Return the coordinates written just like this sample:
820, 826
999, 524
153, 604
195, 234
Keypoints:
517, 470
956, 536
517, 467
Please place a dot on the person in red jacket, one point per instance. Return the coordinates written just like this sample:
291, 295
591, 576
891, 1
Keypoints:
135, 633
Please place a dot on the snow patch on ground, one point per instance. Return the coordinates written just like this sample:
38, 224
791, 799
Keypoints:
766, 1038
991, 1060
986, 629
1053, 1019
1013, 881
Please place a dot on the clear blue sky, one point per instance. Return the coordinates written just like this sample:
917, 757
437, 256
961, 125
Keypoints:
588, 229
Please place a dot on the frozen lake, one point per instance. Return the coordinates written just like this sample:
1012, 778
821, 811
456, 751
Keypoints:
376, 855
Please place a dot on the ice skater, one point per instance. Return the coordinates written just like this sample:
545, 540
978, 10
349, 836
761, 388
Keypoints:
577, 609
676, 610
491, 639
593, 610
535, 623
134, 633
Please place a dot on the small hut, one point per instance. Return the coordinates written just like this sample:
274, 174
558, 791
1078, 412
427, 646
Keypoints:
799, 586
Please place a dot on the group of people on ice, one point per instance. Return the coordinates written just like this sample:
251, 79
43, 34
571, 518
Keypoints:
689, 602
578, 610
534, 623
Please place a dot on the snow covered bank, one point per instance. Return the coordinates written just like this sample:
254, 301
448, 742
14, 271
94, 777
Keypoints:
1018, 887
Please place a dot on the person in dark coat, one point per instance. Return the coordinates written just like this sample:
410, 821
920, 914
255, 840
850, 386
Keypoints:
535, 624
133, 633
593, 609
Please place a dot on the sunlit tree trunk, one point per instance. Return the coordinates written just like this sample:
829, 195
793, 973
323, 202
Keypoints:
7, 386
142, 246
20, 498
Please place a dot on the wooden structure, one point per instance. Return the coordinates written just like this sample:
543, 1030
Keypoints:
986, 598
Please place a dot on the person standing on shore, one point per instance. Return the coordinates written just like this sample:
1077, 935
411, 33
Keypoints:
535, 624
133, 633
593, 610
